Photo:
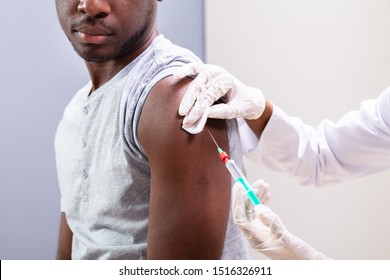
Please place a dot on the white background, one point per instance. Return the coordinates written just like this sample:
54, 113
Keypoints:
315, 59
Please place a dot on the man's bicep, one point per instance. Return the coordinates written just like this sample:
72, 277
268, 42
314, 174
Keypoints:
190, 188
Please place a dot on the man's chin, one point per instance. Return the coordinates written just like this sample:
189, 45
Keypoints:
94, 57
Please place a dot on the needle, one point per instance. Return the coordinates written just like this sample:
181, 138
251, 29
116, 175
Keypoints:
236, 173
219, 149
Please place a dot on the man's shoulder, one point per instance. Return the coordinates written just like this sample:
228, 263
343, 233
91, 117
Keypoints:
166, 51
166, 96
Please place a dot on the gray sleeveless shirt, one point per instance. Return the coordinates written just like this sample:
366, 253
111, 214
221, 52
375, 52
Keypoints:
103, 173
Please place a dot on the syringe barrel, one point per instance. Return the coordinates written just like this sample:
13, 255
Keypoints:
239, 176
234, 170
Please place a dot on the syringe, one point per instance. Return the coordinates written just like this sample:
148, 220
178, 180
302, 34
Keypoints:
236, 173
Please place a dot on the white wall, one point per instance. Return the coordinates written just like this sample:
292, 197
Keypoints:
315, 59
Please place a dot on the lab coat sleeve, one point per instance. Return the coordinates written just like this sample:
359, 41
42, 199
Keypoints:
357, 145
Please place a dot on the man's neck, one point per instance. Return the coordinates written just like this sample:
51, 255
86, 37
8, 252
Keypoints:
101, 72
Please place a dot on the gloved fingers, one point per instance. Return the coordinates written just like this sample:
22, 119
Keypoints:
261, 189
254, 94
243, 211
217, 87
195, 88
198, 98
221, 111
244, 216
249, 100
212, 83
265, 215
211, 93
271, 220
195, 121
190, 69
239, 109
196, 117
238, 206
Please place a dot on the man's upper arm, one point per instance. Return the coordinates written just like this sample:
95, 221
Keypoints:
190, 187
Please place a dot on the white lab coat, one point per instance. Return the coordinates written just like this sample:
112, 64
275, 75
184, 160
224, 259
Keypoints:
357, 145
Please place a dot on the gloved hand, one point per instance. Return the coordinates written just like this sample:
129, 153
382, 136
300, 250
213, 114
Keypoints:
265, 231
211, 84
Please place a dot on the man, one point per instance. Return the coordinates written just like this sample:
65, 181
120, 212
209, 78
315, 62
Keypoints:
133, 184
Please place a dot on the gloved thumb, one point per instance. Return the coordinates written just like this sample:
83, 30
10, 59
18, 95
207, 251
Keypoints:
242, 205
239, 205
261, 189
265, 215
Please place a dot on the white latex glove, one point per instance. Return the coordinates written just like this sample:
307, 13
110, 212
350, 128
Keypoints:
265, 231
211, 84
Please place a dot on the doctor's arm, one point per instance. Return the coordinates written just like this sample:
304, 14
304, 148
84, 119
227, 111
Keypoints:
358, 144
